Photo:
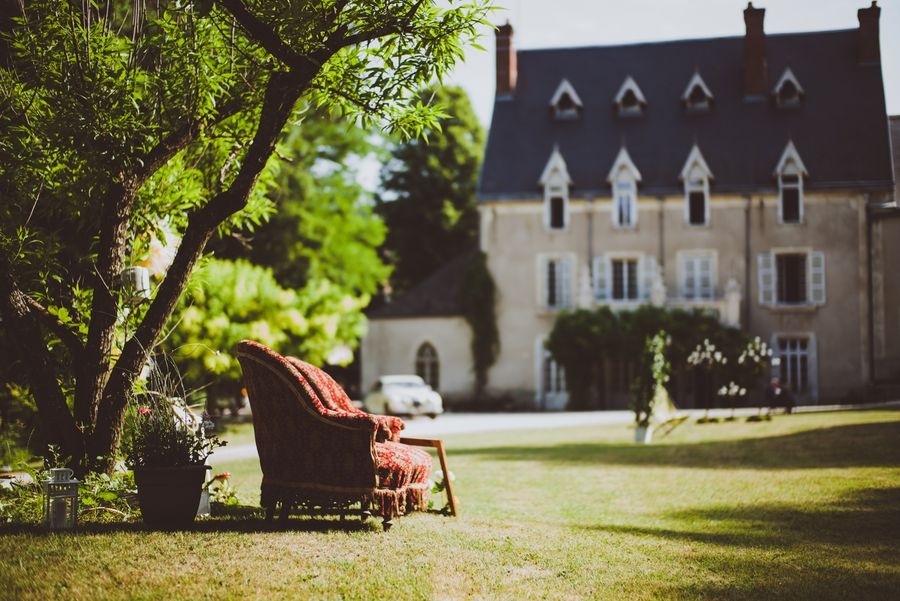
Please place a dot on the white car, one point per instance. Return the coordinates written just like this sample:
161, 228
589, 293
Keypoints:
404, 395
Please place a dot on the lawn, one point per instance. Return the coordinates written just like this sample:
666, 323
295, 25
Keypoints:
802, 507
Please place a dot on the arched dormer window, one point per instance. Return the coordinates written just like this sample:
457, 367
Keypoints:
630, 100
790, 172
697, 97
623, 178
788, 92
427, 365
556, 181
565, 103
696, 175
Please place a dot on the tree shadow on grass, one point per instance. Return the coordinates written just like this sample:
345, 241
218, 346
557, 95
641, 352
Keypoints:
855, 445
823, 551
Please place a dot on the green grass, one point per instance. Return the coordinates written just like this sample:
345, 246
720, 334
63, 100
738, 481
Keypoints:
802, 507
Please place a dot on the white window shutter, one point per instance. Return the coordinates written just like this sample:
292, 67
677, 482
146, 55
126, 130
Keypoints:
817, 277
601, 278
646, 273
565, 283
546, 293
765, 264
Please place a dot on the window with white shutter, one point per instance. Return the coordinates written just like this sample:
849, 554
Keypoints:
557, 282
698, 276
601, 278
791, 278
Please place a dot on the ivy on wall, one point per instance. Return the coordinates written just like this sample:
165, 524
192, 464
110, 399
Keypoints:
478, 297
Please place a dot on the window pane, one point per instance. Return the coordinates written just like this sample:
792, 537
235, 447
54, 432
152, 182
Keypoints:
791, 278
790, 205
631, 268
557, 214
618, 278
552, 277
697, 208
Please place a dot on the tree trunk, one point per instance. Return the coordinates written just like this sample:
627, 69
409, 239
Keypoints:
22, 326
282, 93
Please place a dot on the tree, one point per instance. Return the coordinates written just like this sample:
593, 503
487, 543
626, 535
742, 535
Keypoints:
228, 301
122, 119
428, 201
325, 226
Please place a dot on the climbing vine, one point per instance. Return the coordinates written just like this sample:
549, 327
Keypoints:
478, 297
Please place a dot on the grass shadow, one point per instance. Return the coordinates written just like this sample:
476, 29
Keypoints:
855, 445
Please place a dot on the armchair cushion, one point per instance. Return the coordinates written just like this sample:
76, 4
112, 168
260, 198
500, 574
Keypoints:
333, 397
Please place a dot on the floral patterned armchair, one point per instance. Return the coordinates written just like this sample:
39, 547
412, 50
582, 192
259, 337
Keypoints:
322, 458
333, 397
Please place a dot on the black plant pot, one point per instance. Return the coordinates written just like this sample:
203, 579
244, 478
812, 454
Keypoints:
169, 496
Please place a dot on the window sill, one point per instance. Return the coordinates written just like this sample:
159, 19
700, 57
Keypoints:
798, 308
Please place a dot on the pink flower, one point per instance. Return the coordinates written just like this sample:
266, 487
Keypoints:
145, 411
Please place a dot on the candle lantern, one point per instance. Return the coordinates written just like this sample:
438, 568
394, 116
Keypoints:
61, 500
136, 282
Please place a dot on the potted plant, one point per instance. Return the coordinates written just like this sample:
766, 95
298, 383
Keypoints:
167, 449
648, 388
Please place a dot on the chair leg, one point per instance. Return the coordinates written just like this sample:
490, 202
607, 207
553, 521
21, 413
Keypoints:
285, 510
270, 513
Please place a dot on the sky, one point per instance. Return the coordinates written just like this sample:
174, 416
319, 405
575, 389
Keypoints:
562, 23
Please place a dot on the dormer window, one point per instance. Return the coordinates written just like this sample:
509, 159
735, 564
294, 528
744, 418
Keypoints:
790, 173
697, 97
630, 100
623, 179
565, 103
788, 92
696, 175
556, 182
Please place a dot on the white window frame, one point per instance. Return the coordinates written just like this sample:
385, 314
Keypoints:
696, 175
630, 85
697, 107
602, 277
788, 76
565, 88
812, 362
563, 281
554, 396
767, 277
689, 261
555, 181
791, 165
624, 201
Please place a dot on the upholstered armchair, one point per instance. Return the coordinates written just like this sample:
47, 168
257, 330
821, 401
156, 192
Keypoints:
333, 397
320, 458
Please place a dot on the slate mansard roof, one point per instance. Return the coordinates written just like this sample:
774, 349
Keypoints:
840, 130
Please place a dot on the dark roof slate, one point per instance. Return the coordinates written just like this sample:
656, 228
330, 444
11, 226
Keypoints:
436, 296
840, 131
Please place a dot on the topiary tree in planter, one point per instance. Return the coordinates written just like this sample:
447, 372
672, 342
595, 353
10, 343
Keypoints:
648, 389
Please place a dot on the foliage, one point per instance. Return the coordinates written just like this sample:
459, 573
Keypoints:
428, 198
582, 340
220, 490
478, 297
163, 433
653, 374
228, 301
325, 227
128, 119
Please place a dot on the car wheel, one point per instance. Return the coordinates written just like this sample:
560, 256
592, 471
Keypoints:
432, 415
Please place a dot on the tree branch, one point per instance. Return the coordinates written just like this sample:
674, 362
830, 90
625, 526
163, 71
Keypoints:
51, 322
260, 31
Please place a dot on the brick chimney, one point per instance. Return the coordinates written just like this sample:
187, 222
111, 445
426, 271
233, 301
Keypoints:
754, 66
506, 61
868, 42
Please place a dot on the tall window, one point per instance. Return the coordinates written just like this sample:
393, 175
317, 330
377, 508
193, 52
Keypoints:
624, 200
696, 175
427, 365
790, 173
697, 276
790, 207
556, 181
696, 199
550, 379
624, 279
794, 365
791, 278
557, 282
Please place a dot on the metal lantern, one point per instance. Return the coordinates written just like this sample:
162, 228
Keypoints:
61, 500
136, 281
